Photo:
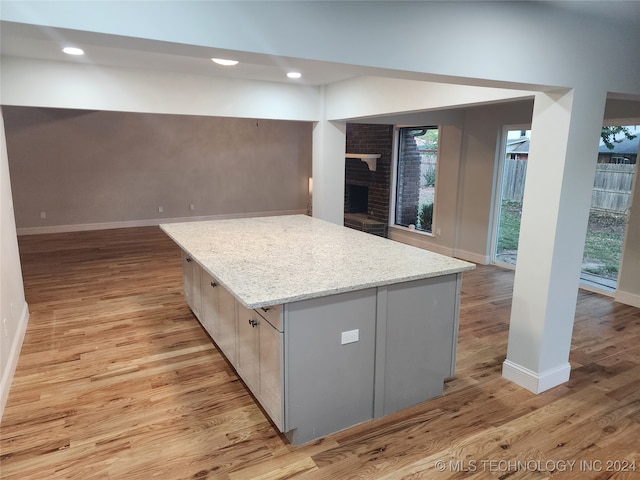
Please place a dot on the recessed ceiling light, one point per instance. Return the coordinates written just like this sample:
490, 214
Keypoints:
225, 62
294, 75
73, 51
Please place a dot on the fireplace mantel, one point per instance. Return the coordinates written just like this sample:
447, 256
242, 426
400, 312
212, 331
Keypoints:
369, 158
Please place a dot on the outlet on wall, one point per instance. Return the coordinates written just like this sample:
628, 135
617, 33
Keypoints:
160, 209
350, 336
192, 207
43, 215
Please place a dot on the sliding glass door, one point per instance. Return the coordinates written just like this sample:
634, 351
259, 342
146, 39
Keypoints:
512, 171
610, 201
616, 167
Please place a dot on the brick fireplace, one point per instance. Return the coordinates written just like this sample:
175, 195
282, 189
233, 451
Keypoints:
366, 202
357, 198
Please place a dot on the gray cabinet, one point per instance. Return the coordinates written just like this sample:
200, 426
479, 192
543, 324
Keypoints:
248, 358
209, 291
320, 365
270, 345
329, 377
218, 315
226, 315
252, 344
259, 361
419, 325
191, 273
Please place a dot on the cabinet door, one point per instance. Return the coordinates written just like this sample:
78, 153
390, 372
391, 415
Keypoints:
248, 348
210, 317
191, 283
271, 374
329, 383
421, 332
227, 324
259, 354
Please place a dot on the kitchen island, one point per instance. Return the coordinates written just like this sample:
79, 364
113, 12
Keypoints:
327, 326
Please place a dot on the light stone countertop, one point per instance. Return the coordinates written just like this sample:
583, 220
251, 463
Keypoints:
273, 260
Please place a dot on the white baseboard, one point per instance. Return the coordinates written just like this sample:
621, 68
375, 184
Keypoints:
146, 223
472, 257
536, 382
421, 240
416, 239
627, 298
14, 354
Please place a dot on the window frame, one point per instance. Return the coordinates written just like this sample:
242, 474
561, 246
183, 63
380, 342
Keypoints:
394, 180
501, 153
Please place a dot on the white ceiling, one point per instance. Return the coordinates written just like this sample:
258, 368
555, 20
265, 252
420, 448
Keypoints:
46, 43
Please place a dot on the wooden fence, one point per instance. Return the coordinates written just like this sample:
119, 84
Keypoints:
513, 175
611, 187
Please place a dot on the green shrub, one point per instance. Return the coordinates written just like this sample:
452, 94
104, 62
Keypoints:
425, 217
429, 176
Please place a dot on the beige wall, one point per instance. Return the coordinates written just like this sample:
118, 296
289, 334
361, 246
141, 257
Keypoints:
100, 169
467, 165
481, 147
467, 168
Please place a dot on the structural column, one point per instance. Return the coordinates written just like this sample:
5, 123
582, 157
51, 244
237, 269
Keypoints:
565, 134
329, 139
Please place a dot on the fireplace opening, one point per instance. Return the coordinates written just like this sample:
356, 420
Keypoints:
358, 199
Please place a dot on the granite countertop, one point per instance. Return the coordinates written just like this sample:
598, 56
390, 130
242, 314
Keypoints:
272, 260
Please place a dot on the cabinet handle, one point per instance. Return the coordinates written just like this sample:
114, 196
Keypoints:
253, 322
188, 260
214, 284
265, 309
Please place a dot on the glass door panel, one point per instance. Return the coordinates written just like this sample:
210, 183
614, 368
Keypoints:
513, 172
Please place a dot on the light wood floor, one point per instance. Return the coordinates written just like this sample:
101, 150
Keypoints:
117, 380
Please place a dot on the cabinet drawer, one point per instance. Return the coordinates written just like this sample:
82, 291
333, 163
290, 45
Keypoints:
273, 315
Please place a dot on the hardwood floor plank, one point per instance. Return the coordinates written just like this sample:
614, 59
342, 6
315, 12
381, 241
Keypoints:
117, 380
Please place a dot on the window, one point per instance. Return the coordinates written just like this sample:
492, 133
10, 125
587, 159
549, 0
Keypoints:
416, 177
